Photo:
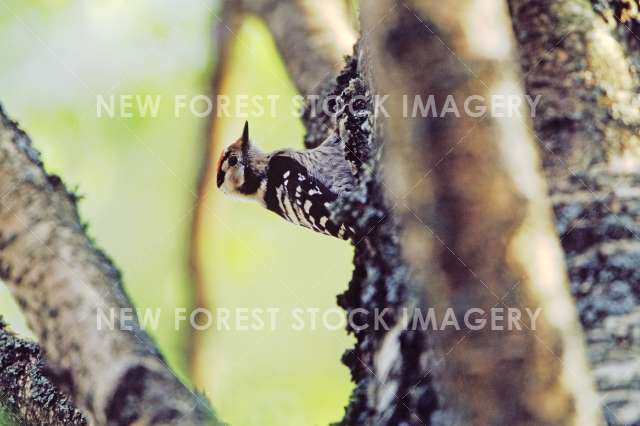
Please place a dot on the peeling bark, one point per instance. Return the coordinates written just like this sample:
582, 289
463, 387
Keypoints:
62, 282
588, 126
26, 391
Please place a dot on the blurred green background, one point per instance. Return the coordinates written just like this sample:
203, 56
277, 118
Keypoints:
137, 176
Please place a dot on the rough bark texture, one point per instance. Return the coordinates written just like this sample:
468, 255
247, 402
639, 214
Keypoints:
477, 231
582, 57
62, 282
488, 205
26, 391
378, 284
476, 226
582, 60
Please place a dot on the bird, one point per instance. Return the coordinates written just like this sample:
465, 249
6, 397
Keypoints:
297, 185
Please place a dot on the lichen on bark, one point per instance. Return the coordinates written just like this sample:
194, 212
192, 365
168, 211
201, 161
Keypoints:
26, 392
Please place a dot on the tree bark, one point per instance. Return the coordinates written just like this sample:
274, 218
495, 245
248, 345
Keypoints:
475, 226
477, 231
26, 391
312, 37
63, 283
582, 58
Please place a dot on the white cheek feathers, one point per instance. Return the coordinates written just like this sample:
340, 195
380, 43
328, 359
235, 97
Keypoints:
234, 179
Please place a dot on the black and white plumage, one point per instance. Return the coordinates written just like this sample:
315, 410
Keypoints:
297, 185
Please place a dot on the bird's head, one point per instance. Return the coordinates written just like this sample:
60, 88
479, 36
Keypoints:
236, 171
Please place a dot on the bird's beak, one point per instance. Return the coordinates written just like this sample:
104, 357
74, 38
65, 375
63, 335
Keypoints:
220, 178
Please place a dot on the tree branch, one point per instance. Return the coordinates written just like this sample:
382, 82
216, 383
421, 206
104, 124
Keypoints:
312, 37
25, 389
63, 283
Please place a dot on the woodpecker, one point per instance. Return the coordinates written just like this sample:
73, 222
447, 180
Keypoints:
298, 185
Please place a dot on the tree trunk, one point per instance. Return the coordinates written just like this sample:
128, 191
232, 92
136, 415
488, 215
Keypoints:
63, 284
582, 58
487, 203
459, 219
476, 229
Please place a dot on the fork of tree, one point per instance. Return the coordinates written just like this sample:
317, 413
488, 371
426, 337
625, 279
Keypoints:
463, 216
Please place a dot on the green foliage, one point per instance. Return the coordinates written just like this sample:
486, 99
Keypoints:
6, 419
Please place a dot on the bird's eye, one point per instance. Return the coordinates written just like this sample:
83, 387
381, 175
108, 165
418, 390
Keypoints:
233, 161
